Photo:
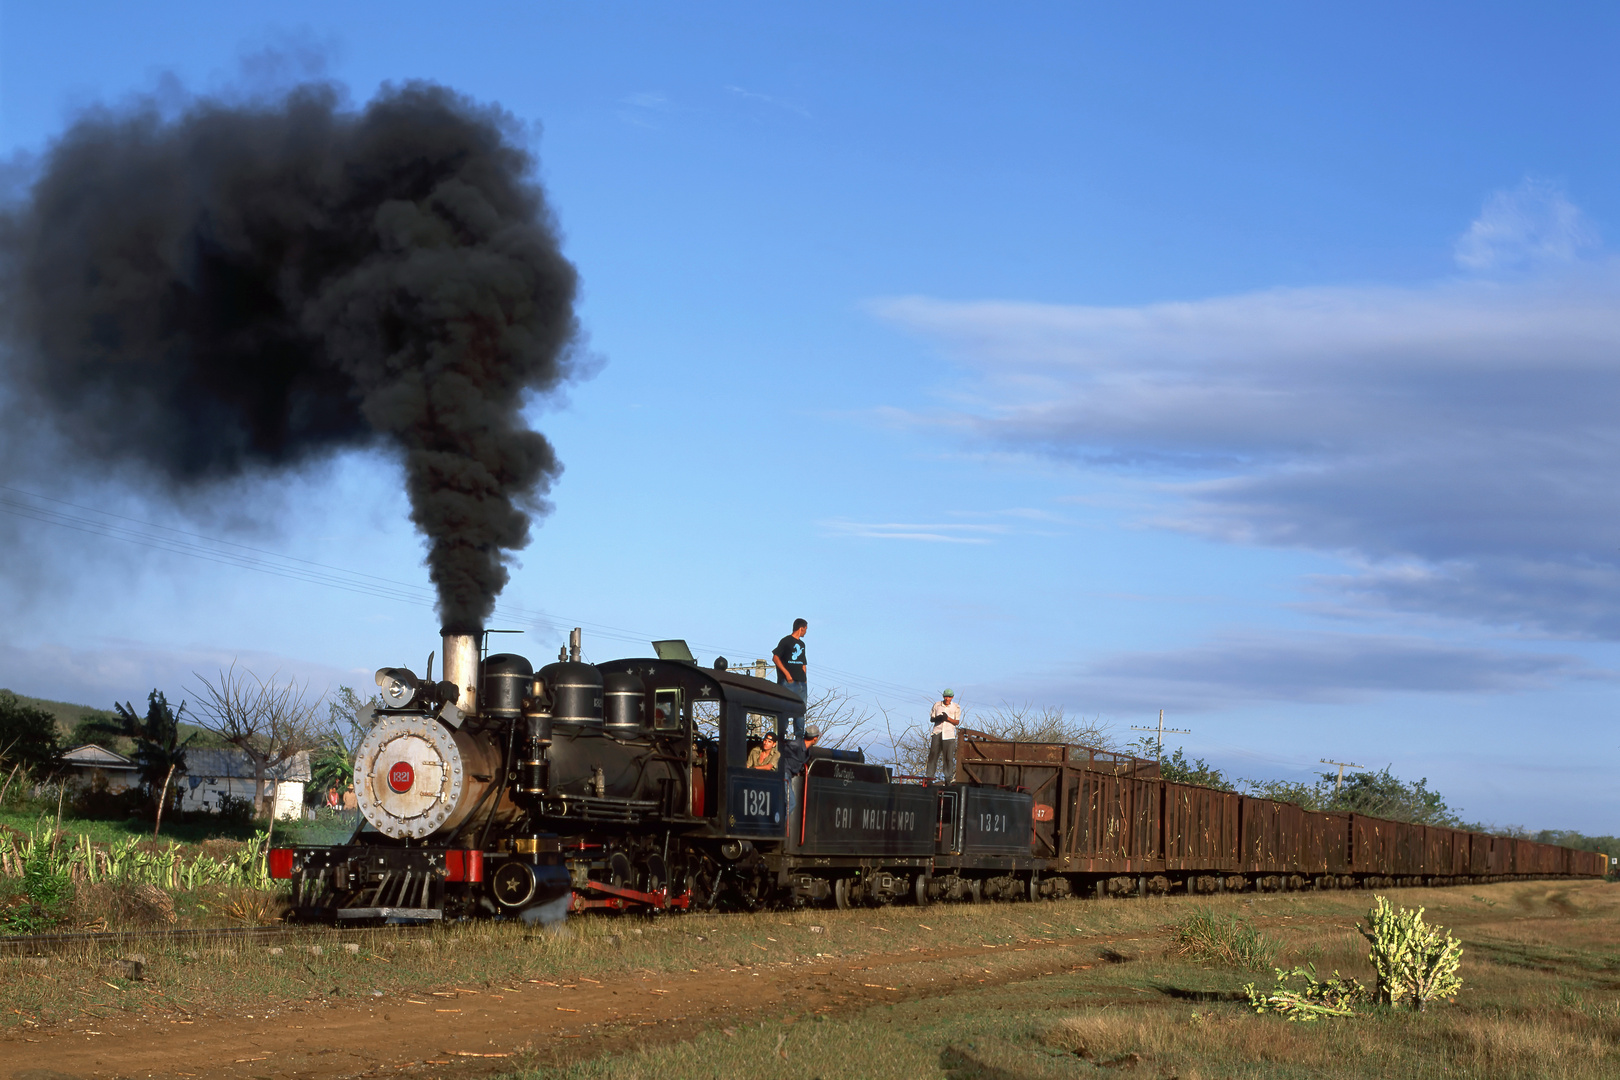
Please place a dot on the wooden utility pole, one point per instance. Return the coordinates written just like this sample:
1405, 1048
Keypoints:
1343, 765
1161, 729
163, 798
61, 793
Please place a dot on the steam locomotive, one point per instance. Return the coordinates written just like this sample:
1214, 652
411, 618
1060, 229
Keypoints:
502, 791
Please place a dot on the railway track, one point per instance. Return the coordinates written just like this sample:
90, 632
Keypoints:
53, 944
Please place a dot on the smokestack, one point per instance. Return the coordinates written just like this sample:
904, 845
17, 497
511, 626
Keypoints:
247, 289
461, 667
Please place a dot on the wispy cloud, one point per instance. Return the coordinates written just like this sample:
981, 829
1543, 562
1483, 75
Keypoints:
1246, 668
938, 533
1533, 225
643, 107
1455, 443
649, 99
99, 673
767, 99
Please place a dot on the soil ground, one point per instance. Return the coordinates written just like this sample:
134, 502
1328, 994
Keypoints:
691, 990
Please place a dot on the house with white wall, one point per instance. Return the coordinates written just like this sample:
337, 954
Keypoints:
211, 774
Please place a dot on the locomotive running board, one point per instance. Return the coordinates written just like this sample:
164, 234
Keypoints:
390, 913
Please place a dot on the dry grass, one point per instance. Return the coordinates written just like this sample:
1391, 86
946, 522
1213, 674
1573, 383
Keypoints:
248, 979
1539, 970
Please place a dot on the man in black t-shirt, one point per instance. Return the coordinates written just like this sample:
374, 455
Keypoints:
789, 657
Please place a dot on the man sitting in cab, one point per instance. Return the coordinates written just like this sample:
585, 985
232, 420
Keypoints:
765, 756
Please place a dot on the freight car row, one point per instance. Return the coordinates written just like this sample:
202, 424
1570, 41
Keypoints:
1114, 819
1033, 820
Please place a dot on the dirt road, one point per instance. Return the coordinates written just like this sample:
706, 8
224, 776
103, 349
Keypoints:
464, 1032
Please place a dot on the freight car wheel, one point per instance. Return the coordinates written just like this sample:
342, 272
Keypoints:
841, 894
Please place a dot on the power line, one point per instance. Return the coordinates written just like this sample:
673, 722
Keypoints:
89, 520
1161, 730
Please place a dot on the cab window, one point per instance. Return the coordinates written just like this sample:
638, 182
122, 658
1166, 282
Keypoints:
757, 724
706, 720
667, 709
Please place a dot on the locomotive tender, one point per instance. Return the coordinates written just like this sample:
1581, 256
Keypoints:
502, 791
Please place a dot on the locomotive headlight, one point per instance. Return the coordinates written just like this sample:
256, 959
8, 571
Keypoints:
398, 686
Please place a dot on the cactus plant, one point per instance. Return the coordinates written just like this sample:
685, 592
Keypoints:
1414, 962
1321, 998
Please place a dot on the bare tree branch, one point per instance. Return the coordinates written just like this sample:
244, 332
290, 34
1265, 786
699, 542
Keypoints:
842, 719
271, 720
1044, 723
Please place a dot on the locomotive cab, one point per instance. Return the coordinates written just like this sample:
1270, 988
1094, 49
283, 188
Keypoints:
710, 719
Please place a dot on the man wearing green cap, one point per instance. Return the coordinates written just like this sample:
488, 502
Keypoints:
945, 715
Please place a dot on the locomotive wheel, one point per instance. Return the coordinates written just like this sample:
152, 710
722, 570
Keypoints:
841, 893
751, 891
975, 892
919, 890
1034, 885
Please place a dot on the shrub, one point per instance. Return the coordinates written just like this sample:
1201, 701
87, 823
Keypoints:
1208, 938
94, 801
45, 886
234, 810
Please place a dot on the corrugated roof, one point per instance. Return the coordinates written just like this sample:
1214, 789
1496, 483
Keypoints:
235, 764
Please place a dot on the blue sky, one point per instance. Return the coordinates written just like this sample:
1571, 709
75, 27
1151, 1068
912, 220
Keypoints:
1258, 365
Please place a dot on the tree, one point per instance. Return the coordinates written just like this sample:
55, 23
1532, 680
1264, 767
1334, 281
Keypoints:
1383, 794
95, 728
28, 734
270, 720
1377, 794
332, 760
158, 745
1288, 791
1179, 768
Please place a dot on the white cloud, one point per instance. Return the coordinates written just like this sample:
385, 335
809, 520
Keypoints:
1456, 443
1534, 224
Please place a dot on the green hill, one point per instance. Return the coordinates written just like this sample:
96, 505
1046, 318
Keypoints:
69, 715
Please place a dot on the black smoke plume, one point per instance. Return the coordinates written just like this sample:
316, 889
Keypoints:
242, 288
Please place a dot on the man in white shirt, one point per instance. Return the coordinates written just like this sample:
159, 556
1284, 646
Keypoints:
945, 715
